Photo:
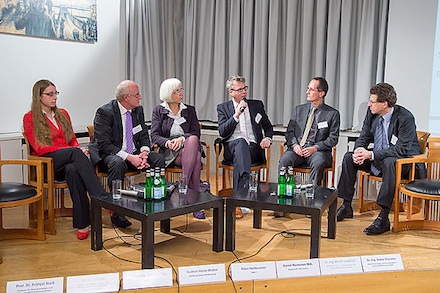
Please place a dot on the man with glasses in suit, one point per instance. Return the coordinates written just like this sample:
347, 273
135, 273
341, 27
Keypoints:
121, 142
392, 129
241, 123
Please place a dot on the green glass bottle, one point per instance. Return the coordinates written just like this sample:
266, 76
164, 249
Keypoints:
163, 182
147, 192
290, 183
157, 187
282, 182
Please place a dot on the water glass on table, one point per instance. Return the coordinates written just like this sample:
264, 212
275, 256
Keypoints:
116, 189
253, 181
183, 184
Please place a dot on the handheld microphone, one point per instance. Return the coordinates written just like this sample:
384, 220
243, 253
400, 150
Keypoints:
242, 108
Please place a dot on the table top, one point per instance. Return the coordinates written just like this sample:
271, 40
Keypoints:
267, 197
174, 202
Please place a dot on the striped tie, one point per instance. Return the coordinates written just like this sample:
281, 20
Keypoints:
379, 141
128, 132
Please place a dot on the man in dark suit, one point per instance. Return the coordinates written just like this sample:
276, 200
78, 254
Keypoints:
312, 145
241, 124
110, 147
392, 129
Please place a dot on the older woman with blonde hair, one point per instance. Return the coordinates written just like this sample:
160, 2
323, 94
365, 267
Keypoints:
176, 130
50, 134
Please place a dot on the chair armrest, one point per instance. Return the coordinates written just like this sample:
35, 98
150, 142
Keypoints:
30, 163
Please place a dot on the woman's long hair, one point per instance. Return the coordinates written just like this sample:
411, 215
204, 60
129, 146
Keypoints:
41, 128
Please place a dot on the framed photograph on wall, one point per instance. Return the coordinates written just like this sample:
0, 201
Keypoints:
61, 19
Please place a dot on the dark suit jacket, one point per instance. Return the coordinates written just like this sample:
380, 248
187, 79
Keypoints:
326, 137
227, 123
108, 131
161, 124
402, 126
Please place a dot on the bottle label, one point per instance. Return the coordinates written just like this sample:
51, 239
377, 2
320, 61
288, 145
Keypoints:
289, 190
157, 192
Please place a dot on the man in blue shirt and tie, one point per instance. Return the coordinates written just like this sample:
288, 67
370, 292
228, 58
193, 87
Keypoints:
392, 129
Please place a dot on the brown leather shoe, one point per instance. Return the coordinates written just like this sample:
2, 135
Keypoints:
238, 213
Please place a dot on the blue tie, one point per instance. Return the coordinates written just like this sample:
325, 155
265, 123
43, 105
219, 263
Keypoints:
379, 144
129, 132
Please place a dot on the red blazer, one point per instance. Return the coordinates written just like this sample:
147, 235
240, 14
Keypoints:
58, 137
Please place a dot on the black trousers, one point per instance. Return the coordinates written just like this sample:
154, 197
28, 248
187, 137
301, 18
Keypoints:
72, 165
348, 178
317, 162
242, 156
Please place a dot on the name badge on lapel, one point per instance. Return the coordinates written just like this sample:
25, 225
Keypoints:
137, 129
322, 124
394, 139
258, 118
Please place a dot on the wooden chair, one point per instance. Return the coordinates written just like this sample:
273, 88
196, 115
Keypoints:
101, 172
421, 196
305, 169
364, 205
14, 194
55, 206
227, 167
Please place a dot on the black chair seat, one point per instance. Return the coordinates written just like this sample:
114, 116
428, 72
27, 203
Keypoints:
425, 186
11, 191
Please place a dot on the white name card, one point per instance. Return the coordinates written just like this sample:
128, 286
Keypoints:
148, 278
50, 285
382, 262
340, 265
253, 271
93, 283
202, 274
298, 268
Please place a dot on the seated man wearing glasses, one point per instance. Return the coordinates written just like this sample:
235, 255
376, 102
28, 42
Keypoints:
392, 129
121, 142
241, 124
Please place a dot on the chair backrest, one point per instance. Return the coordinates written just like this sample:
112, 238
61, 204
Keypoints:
423, 137
91, 131
434, 147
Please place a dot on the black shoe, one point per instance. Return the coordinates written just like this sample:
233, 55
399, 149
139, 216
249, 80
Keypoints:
378, 227
120, 221
277, 214
344, 213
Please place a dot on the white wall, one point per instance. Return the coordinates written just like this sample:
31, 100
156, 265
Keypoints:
86, 74
410, 53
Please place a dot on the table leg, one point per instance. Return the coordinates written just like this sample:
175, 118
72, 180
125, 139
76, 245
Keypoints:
147, 243
331, 226
218, 229
258, 218
315, 235
96, 225
230, 226
165, 226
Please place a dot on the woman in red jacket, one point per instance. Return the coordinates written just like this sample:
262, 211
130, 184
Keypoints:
50, 134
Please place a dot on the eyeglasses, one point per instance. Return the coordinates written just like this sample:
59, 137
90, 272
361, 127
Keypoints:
178, 91
134, 95
240, 90
51, 94
374, 102
309, 89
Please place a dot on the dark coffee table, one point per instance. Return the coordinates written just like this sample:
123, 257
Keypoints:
325, 198
150, 211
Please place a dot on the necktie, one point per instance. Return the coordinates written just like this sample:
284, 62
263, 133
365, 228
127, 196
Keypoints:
308, 127
379, 143
129, 132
